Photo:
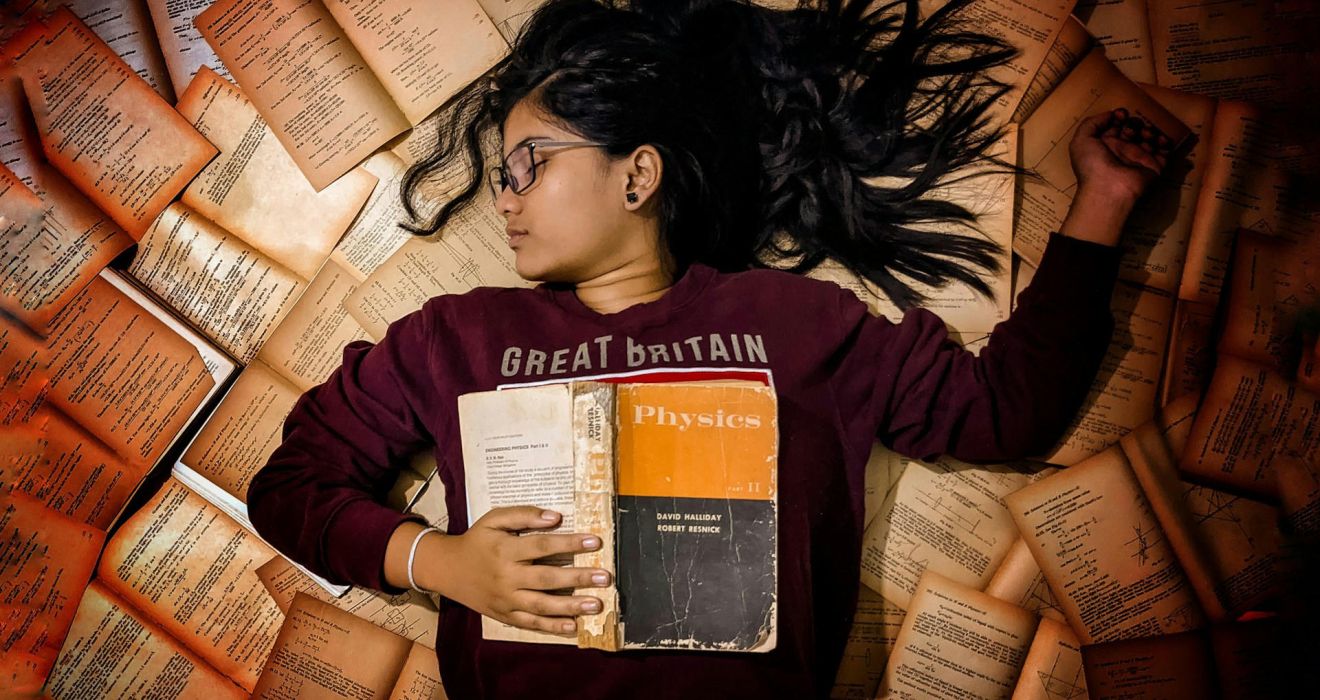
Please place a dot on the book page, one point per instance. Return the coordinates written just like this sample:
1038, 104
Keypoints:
1253, 659
46, 261
957, 642
184, 49
1235, 161
1191, 356
324, 652
410, 614
253, 188
309, 343
1123, 393
375, 233
1100, 546
1030, 26
102, 126
947, 517
1019, 581
471, 252
1092, 87
220, 284
192, 570
1241, 50
71, 472
122, 374
1273, 286
420, 677
114, 651
1053, 667
510, 15
1067, 50
422, 53
24, 373
1122, 28
243, 431
870, 642
1250, 415
46, 560
307, 81
1166, 666
1299, 495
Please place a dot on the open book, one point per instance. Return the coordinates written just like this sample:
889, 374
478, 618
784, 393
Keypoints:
688, 469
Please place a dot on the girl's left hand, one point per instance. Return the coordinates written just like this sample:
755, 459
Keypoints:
1117, 155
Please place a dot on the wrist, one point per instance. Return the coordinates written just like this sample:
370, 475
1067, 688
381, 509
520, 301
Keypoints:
429, 568
1097, 216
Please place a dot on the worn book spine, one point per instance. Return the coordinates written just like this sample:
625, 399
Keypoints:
593, 505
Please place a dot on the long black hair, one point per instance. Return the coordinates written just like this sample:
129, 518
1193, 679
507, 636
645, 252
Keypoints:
789, 136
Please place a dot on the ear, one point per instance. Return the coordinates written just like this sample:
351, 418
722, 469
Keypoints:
644, 169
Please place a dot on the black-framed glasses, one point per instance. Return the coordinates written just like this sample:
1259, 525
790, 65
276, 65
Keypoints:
518, 170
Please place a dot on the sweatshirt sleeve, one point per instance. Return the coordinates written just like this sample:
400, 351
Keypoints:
319, 498
923, 395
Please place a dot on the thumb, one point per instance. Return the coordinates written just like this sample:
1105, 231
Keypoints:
517, 518
1096, 124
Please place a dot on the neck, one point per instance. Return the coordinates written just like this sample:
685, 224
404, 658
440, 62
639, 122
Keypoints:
634, 283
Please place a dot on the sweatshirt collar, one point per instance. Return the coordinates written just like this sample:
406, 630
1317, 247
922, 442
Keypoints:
684, 290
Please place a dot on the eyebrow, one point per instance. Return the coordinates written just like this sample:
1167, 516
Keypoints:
524, 142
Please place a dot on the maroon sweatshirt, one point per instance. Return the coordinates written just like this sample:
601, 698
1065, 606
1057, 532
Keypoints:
842, 377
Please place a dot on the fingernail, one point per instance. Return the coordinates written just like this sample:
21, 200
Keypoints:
590, 542
567, 626
549, 515
591, 606
600, 578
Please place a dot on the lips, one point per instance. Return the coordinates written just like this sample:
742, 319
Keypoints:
515, 235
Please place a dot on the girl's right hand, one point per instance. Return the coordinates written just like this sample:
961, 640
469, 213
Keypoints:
492, 570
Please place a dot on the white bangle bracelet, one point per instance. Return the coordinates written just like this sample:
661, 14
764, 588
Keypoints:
412, 554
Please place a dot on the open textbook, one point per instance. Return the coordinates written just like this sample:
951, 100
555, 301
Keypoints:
687, 468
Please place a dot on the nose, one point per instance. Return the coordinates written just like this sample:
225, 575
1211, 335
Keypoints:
507, 203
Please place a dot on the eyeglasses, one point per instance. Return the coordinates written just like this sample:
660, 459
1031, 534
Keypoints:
518, 170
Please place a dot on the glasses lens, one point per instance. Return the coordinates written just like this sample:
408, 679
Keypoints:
498, 182
521, 168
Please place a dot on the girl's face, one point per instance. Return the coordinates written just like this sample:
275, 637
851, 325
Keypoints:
574, 223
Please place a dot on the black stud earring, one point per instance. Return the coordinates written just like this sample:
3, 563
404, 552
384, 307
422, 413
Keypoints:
632, 197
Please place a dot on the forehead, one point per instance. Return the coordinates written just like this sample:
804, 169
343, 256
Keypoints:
525, 122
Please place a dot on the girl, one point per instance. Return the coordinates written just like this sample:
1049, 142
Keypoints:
650, 156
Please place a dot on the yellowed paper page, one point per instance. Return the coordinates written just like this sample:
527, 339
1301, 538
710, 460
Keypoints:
324, 652
1019, 581
1234, 163
1053, 668
1250, 415
1272, 287
423, 53
113, 651
1092, 87
510, 15
102, 126
45, 561
223, 286
375, 234
192, 570
1240, 50
1299, 494
870, 641
253, 188
420, 677
1100, 546
1165, 666
471, 252
1028, 25
947, 517
309, 83
1067, 50
1122, 28
309, 343
46, 262
24, 372
184, 49
410, 614
1124, 391
72, 472
955, 637
1191, 356
244, 430
123, 374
